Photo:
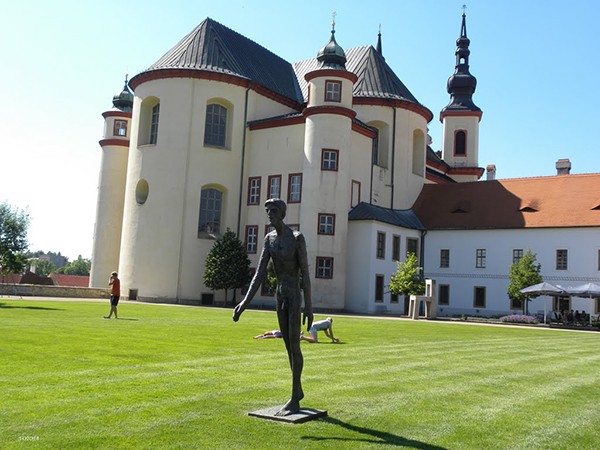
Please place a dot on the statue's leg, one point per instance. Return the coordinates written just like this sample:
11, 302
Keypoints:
289, 322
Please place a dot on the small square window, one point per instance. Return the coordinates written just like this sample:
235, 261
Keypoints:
324, 267
517, 255
333, 91
329, 160
120, 128
326, 224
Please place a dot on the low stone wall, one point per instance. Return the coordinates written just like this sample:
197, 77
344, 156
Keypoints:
36, 290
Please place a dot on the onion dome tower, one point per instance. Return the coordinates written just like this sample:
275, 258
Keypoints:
111, 187
327, 147
460, 118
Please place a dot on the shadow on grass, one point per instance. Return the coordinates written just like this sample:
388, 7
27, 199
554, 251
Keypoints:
375, 437
125, 318
39, 308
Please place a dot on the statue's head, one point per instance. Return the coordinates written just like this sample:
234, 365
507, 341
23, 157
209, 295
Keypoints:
277, 203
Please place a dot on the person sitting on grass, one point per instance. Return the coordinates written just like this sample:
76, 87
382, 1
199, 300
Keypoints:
324, 325
269, 335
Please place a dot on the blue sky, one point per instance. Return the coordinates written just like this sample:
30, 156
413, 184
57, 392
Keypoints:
536, 62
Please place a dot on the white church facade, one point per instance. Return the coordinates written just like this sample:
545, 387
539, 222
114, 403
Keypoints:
219, 124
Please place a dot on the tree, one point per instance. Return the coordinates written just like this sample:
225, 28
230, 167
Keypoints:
525, 272
43, 267
14, 224
227, 264
408, 278
81, 266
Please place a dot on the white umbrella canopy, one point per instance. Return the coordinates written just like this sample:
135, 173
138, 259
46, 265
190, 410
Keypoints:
590, 290
542, 289
585, 290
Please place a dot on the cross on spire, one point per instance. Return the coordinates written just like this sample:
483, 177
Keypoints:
333, 14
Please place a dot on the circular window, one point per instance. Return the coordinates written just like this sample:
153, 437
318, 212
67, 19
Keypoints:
141, 191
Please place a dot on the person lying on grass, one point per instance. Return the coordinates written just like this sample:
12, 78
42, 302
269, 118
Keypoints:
269, 335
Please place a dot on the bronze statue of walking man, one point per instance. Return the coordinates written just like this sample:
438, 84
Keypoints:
287, 249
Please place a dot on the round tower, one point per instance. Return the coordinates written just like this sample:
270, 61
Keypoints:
326, 172
111, 188
460, 118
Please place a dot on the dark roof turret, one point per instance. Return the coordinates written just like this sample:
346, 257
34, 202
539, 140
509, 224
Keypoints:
461, 85
332, 56
124, 100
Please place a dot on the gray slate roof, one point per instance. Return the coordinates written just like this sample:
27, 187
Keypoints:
405, 218
375, 78
214, 47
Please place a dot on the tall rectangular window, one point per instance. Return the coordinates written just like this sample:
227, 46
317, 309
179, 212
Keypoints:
517, 255
254, 190
561, 259
120, 128
324, 267
444, 294
333, 91
395, 247
215, 128
210, 213
251, 238
445, 258
295, 188
355, 194
380, 253
480, 258
326, 224
379, 288
412, 246
275, 186
329, 160
479, 297
154, 124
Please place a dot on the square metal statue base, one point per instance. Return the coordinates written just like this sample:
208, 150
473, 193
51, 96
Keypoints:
304, 415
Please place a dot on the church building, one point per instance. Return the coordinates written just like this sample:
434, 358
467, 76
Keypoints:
219, 124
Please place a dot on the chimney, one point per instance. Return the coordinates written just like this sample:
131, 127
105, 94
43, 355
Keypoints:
563, 166
491, 172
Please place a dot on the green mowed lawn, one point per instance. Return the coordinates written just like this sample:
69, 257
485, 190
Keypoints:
186, 377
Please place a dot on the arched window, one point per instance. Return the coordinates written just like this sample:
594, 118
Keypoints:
215, 129
460, 143
149, 119
381, 144
211, 204
418, 153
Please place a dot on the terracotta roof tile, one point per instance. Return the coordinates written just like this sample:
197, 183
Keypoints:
60, 279
541, 202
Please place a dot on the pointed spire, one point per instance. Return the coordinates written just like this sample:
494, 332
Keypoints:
124, 100
461, 85
379, 49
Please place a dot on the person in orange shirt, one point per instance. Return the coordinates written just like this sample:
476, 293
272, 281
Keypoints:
115, 294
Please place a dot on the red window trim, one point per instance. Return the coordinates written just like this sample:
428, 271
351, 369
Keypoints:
248, 227
329, 258
461, 155
269, 184
319, 224
115, 128
250, 179
337, 82
290, 187
337, 159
